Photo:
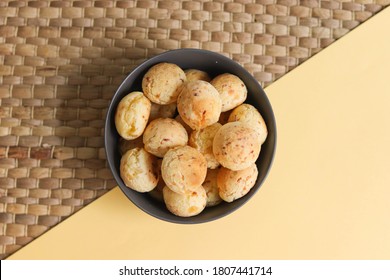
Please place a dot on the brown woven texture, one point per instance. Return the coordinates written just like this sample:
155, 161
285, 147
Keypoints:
61, 62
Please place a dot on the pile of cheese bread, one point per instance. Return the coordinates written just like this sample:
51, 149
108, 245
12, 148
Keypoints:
189, 139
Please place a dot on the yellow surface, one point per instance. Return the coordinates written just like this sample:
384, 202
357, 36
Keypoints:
328, 193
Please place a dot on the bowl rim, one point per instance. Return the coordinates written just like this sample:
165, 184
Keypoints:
111, 110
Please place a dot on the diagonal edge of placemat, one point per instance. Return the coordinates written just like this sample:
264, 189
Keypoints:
61, 62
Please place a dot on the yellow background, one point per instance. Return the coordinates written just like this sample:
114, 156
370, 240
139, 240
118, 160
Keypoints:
327, 195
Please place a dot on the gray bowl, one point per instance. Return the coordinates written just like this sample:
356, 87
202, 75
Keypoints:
214, 64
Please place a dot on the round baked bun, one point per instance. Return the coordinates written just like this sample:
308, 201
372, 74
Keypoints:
233, 185
163, 82
195, 75
249, 114
163, 134
232, 90
139, 170
211, 187
236, 145
183, 169
202, 140
187, 204
132, 115
199, 104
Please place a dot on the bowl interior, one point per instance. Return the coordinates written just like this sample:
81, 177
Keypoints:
214, 64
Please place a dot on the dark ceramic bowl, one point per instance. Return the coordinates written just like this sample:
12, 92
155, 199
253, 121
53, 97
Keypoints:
214, 64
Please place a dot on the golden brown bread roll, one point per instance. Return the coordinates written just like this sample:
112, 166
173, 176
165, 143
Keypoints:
183, 169
233, 185
138, 170
132, 115
163, 134
202, 140
236, 145
232, 90
199, 104
195, 75
163, 82
187, 204
211, 187
249, 114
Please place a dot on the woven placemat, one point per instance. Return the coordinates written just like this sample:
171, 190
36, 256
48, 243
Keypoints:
61, 62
